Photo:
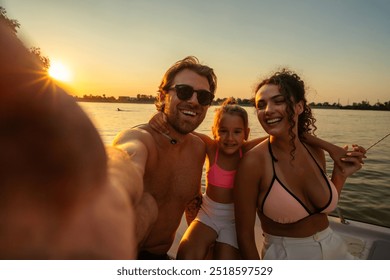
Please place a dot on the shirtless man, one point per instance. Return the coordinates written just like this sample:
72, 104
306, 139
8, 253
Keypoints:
171, 166
62, 195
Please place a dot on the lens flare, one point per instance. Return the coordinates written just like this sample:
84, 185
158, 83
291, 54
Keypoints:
59, 72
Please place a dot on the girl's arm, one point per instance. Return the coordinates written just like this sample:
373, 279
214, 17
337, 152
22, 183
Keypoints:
339, 155
335, 152
348, 163
206, 139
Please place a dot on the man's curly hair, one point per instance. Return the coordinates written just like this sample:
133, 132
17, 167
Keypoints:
191, 63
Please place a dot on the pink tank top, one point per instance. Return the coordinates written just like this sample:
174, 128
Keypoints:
219, 177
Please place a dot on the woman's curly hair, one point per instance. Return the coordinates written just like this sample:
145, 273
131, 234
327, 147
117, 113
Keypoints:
293, 89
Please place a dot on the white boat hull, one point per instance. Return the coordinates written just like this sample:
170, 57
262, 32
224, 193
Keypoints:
364, 241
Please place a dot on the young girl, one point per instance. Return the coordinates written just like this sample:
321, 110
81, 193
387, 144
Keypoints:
215, 222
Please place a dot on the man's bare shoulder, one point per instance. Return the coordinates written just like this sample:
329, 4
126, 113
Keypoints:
139, 132
138, 142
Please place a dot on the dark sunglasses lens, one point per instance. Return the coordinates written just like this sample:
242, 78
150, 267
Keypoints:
184, 92
204, 97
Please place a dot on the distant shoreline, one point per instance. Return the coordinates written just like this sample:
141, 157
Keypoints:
116, 101
242, 102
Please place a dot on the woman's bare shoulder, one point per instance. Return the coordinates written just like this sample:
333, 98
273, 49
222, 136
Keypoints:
256, 155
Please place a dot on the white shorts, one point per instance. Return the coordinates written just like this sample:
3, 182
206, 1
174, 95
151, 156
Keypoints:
219, 217
324, 245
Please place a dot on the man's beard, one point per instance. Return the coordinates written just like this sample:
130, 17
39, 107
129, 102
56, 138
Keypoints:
184, 127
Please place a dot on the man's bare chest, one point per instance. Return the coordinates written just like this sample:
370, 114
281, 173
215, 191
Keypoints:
172, 178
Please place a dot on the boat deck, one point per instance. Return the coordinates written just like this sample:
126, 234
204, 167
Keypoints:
364, 241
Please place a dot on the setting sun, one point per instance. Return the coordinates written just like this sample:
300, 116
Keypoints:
59, 72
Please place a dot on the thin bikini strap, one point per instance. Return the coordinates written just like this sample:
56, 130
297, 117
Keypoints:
272, 155
322, 171
216, 155
240, 153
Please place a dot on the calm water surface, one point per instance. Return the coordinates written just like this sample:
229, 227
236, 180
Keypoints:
365, 196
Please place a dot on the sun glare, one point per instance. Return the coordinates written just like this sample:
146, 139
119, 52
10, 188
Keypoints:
59, 72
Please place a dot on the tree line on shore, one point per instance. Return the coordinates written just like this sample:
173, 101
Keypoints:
144, 98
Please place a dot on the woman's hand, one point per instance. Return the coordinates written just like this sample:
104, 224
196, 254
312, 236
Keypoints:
344, 158
351, 161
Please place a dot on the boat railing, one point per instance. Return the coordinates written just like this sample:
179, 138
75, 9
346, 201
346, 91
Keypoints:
341, 216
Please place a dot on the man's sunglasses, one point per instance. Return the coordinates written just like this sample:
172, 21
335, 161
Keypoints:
185, 92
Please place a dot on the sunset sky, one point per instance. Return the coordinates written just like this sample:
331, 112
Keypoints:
123, 47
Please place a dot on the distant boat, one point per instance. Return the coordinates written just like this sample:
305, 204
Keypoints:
122, 110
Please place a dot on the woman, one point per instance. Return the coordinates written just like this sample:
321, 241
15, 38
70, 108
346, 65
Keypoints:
284, 180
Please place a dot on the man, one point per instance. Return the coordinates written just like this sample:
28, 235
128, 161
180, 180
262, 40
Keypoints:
170, 165
62, 196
